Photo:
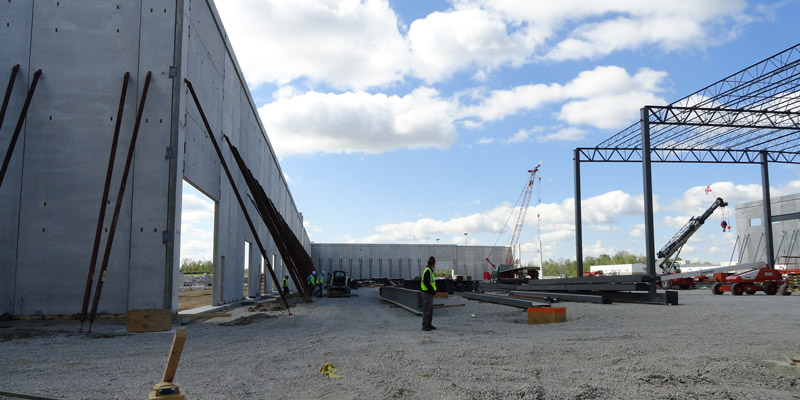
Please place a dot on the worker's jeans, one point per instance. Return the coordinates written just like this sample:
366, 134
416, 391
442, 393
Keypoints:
427, 309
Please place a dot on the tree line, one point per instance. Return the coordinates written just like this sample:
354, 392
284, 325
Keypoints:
190, 266
570, 267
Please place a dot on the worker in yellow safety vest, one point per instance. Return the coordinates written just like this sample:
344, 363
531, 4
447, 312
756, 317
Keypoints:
428, 286
320, 283
285, 285
311, 281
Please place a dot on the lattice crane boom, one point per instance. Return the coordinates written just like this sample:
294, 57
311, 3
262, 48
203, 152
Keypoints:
521, 217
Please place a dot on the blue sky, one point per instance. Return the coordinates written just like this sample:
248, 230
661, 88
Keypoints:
408, 121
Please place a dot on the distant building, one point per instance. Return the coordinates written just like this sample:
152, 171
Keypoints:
785, 229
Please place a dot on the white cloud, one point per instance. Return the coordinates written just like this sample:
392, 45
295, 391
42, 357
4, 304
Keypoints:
597, 248
344, 43
196, 209
358, 122
604, 97
485, 140
522, 135
556, 220
604, 228
673, 25
570, 133
696, 201
443, 43
358, 44
637, 231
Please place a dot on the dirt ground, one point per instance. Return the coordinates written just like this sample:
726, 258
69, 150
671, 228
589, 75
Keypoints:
708, 347
188, 299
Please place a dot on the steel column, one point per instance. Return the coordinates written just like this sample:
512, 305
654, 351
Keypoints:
18, 129
767, 220
648, 197
578, 220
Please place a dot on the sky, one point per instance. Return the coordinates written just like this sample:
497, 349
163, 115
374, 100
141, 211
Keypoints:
416, 121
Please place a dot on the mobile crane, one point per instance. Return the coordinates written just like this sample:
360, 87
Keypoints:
510, 272
665, 261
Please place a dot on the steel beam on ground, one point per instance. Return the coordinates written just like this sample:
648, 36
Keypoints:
505, 300
593, 279
409, 299
635, 286
601, 298
668, 297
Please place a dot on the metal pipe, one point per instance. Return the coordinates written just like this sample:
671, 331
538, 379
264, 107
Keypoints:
235, 189
118, 206
648, 197
767, 211
100, 219
578, 219
18, 129
7, 97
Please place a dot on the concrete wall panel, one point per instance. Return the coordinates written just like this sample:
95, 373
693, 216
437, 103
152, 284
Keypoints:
67, 141
15, 35
52, 192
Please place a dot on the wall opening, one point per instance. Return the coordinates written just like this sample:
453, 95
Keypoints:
198, 211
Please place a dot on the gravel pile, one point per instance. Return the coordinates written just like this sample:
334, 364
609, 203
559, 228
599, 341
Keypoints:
707, 348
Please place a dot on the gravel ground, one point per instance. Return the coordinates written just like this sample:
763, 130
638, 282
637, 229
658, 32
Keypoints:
707, 348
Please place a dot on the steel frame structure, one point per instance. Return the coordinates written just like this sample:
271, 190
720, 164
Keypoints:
749, 117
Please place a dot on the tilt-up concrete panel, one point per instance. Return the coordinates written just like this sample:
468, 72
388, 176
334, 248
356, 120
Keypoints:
52, 193
785, 229
15, 35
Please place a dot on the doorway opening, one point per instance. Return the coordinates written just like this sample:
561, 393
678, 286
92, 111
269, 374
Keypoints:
198, 213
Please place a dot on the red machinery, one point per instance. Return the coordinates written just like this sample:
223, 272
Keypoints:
765, 279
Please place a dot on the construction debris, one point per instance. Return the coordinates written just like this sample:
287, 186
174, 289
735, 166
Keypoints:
330, 371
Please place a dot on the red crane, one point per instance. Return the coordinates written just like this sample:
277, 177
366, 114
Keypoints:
526, 199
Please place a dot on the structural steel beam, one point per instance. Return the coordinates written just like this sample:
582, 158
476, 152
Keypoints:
723, 117
685, 155
505, 300
578, 218
647, 183
600, 298
766, 222
590, 280
409, 299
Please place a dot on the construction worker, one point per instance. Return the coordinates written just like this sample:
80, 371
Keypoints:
428, 286
285, 285
320, 283
311, 281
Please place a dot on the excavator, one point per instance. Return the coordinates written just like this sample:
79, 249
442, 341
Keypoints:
667, 263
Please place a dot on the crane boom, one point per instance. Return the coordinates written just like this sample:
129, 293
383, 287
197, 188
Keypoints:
521, 217
675, 244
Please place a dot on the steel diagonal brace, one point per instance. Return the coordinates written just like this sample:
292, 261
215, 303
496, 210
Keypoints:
18, 129
235, 188
7, 97
118, 205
